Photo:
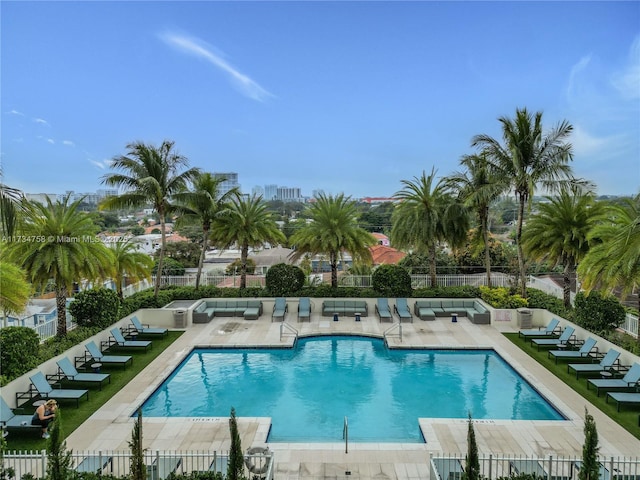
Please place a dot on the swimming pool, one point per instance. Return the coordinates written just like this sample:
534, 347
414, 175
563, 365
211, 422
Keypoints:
310, 389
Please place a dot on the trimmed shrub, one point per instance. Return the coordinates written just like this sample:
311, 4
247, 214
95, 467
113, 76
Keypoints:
19, 347
463, 291
391, 281
283, 280
539, 299
502, 298
97, 307
598, 314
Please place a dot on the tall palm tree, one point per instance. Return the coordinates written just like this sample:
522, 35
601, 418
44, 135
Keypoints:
559, 232
11, 200
528, 158
151, 175
478, 188
426, 217
246, 223
333, 230
203, 205
62, 249
615, 261
129, 262
15, 290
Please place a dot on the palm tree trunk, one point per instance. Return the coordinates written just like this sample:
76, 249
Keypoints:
432, 265
333, 258
521, 280
161, 256
566, 279
487, 253
205, 243
61, 306
244, 254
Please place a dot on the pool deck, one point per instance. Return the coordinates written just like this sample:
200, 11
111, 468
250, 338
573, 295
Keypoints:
110, 427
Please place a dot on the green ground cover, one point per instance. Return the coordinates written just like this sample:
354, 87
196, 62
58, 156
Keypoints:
627, 418
73, 417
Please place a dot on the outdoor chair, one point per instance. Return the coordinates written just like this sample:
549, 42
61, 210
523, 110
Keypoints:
610, 360
519, 466
94, 464
280, 309
120, 341
97, 356
402, 310
624, 398
564, 339
11, 421
69, 372
46, 391
628, 382
585, 351
548, 331
448, 468
163, 466
383, 311
304, 309
144, 329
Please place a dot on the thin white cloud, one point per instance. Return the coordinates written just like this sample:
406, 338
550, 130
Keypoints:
41, 121
51, 141
573, 87
587, 144
193, 46
102, 165
16, 112
627, 80
68, 143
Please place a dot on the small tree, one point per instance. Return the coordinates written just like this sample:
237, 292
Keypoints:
391, 281
138, 469
283, 279
58, 458
236, 459
472, 470
590, 469
19, 347
96, 307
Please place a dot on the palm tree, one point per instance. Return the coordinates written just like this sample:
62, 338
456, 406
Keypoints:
559, 232
333, 230
14, 289
203, 205
10, 204
129, 262
151, 176
62, 249
426, 216
246, 223
528, 158
615, 261
478, 188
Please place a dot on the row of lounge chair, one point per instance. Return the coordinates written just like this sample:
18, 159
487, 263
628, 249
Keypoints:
305, 306
42, 386
623, 389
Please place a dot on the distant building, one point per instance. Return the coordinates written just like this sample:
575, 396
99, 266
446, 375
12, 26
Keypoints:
286, 194
270, 192
230, 181
383, 255
382, 239
258, 191
374, 200
317, 193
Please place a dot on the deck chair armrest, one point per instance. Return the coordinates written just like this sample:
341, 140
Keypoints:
56, 377
26, 396
81, 360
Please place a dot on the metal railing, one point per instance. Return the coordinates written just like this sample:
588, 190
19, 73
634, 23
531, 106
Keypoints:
160, 464
284, 325
391, 328
492, 466
345, 434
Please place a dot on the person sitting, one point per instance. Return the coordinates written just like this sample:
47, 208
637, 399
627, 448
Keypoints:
44, 415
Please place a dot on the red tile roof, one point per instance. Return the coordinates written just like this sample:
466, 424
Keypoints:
386, 255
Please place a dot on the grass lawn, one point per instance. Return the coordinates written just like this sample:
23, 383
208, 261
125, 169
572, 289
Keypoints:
627, 418
73, 417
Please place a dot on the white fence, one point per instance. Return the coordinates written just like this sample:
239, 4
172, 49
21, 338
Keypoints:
550, 467
159, 463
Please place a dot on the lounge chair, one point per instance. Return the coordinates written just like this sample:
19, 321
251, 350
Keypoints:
564, 339
304, 309
520, 466
402, 310
120, 341
97, 356
628, 382
11, 421
46, 391
383, 311
94, 464
623, 398
220, 464
162, 467
448, 468
585, 351
548, 331
144, 329
607, 363
69, 372
280, 309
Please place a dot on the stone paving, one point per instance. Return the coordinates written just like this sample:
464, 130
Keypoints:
110, 427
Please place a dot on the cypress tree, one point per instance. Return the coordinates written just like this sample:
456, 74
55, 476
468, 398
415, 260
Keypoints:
590, 469
58, 458
236, 459
472, 470
138, 468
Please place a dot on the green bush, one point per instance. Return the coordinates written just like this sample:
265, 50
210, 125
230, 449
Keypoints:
391, 281
54, 346
539, 299
502, 298
463, 291
19, 347
598, 314
284, 280
96, 307
170, 267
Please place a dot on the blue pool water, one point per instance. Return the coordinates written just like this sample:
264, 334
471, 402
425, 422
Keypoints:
309, 390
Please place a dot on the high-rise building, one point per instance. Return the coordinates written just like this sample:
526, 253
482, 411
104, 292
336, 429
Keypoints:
270, 192
257, 191
287, 194
230, 181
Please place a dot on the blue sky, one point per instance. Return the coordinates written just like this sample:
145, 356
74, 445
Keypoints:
346, 97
